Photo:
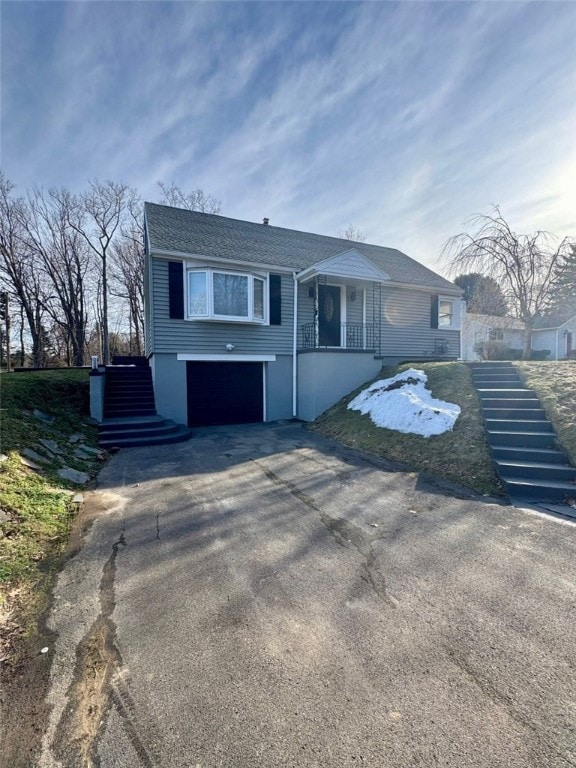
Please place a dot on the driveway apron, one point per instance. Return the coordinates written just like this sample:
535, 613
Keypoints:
260, 596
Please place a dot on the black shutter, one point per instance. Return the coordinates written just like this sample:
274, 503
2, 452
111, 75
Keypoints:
433, 311
275, 299
176, 289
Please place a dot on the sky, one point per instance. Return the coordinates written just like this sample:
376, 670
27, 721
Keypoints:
400, 118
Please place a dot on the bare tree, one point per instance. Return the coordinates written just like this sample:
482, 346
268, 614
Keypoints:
65, 260
522, 265
127, 273
197, 200
352, 233
19, 268
97, 216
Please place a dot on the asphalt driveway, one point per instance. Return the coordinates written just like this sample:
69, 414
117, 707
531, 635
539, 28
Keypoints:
260, 596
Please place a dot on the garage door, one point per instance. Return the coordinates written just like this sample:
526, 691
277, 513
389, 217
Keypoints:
224, 393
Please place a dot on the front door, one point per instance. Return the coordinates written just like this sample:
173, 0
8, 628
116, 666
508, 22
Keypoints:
329, 334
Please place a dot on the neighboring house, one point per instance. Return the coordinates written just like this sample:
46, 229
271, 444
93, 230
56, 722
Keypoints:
556, 333
250, 322
480, 329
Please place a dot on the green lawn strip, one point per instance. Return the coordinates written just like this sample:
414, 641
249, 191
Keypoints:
36, 509
555, 384
460, 455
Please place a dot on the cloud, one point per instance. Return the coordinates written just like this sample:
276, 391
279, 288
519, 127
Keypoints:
402, 118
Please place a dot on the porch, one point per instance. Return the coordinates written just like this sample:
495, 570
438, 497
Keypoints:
356, 336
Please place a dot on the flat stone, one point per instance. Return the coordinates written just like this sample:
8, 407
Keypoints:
80, 454
76, 437
74, 475
51, 445
4, 516
38, 414
89, 449
78, 498
3, 457
29, 463
34, 456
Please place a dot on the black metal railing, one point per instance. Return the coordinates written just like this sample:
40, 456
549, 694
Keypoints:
352, 336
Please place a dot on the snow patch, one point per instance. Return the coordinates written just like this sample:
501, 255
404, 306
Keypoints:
404, 404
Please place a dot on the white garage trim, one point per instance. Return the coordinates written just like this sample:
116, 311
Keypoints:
230, 358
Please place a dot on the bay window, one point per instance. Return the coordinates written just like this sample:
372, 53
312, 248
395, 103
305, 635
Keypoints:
217, 295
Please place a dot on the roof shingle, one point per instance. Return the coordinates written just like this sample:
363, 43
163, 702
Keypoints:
176, 229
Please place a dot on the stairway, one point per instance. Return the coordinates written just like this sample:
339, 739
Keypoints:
130, 417
521, 439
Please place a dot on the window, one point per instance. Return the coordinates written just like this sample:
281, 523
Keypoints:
496, 334
445, 313
217, 295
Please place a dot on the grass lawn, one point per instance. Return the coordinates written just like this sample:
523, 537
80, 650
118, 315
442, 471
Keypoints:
555, 384
36, 508
461, 455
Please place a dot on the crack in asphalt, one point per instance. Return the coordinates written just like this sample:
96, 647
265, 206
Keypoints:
502, 700
344, 533
96, 685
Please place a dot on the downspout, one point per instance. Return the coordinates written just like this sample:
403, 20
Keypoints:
294, 347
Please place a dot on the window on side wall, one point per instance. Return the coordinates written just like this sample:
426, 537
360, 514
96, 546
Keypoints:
215, 294
496, 334
448, 313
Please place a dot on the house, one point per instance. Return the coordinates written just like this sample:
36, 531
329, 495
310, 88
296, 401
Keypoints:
556, 332
478, 329
252, 322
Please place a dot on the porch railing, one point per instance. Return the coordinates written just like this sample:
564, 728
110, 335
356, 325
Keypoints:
352, 336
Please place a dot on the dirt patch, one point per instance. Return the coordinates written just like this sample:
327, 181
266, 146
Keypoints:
24, 670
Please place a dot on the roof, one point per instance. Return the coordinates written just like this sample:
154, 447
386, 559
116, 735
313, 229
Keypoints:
496, 321
179, 230
550, 322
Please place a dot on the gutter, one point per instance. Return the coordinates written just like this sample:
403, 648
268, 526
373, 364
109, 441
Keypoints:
294, 345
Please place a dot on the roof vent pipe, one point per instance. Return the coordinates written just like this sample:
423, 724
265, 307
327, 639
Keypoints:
265, 222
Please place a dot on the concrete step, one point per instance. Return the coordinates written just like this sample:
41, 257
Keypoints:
514, 414
510, 438
536, 470
506, 393
523, 489
491, 366
124, 411
517, 453
127, 398
520, 402
130, 430
499, 384
533, 425
178, 436
132, 422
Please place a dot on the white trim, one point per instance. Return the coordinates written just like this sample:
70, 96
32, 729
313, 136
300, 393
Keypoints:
162, 254
455, 314
332, 266
210, 314
224, 357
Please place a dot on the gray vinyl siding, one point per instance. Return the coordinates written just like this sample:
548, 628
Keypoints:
205, 337
305, 304
354, 308
406, 330
148, 344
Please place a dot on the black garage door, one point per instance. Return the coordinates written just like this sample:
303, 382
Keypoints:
224, 393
